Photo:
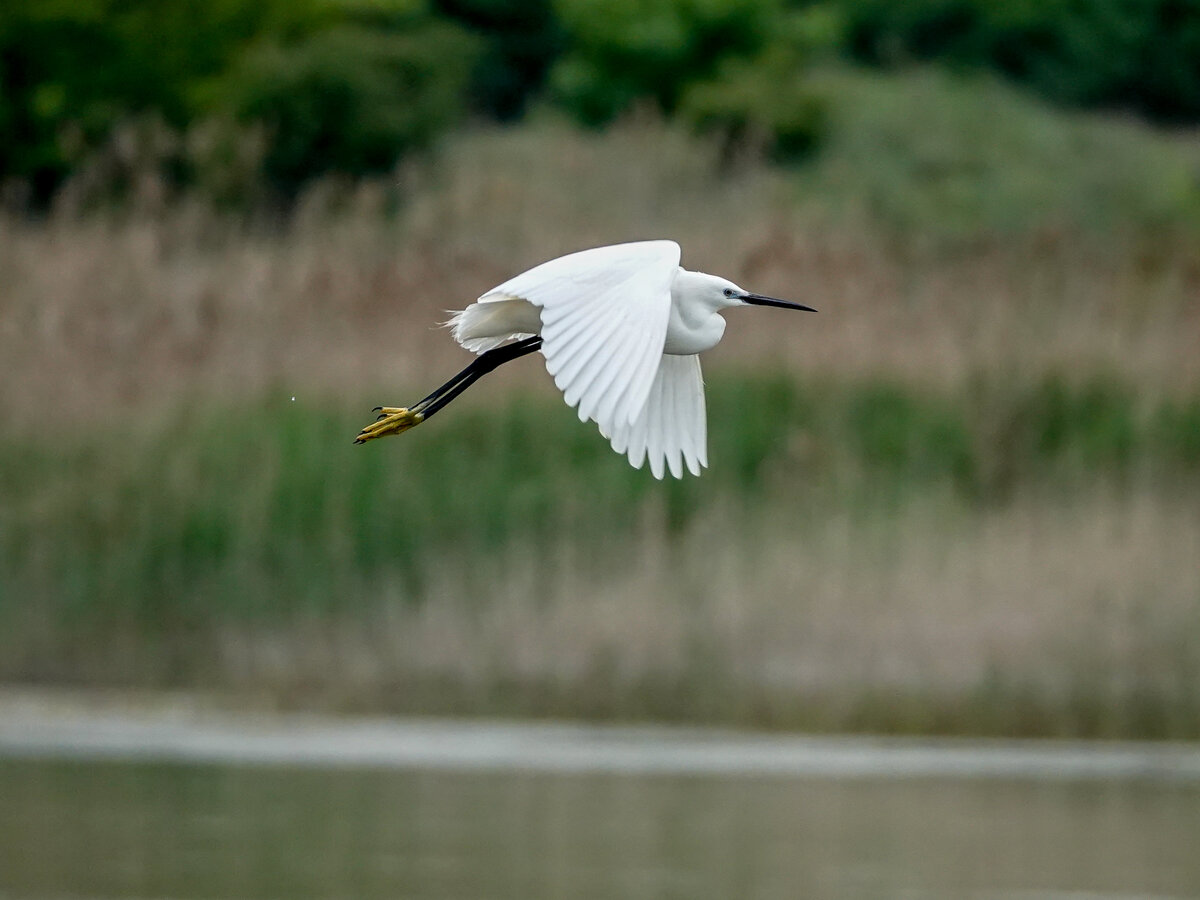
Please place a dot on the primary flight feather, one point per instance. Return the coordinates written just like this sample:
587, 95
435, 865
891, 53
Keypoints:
620, 328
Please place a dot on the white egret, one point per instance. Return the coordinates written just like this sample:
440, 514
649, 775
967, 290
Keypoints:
620, 328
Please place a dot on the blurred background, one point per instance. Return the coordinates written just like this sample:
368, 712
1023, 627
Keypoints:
962, 500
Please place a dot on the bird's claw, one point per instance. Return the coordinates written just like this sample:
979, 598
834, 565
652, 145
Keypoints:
392, 420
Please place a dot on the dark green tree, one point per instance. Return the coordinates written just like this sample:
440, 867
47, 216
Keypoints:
1134, 54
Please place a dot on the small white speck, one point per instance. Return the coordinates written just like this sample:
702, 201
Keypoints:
293, 399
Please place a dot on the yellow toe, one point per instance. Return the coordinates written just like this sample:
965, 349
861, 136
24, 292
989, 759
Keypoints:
393, 420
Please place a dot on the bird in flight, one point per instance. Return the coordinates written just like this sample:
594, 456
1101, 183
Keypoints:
621, 328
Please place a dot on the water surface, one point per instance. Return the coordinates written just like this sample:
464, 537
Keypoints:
75, 828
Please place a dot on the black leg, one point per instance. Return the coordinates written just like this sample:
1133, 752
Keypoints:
486, 362
397, 420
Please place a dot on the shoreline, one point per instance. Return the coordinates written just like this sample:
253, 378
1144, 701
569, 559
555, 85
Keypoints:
197, 729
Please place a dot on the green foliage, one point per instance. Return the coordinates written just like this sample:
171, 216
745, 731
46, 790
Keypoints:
1143, 54
952, 157
1177, 429
1095, 423
907, 436
765, 103
335, 84
521, 39
623, 52
351, 99
282, 91
350, 86
71, 70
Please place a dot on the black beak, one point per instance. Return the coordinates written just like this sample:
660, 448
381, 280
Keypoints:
760, 300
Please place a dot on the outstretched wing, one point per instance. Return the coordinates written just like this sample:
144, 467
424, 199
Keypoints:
671, 426
604, 319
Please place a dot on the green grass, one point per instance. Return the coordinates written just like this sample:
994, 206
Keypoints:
128, 557
253, 511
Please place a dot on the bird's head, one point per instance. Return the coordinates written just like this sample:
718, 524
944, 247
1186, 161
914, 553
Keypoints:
720, 293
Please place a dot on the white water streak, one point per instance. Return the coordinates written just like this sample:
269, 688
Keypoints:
488, 745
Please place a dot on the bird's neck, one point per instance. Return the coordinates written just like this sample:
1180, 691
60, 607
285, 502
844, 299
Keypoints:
692, 329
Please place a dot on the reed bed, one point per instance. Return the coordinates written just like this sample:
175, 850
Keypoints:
964, 498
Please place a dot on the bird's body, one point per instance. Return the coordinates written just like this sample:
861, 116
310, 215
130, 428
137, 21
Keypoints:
620, 328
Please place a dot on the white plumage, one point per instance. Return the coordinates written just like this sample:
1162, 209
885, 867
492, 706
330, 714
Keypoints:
620, 328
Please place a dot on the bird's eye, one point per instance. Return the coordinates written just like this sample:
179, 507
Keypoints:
728, 292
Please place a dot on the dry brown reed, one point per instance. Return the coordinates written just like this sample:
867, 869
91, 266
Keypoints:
126, 310
1072, 619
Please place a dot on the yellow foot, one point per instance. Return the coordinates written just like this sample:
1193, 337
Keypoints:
392, 420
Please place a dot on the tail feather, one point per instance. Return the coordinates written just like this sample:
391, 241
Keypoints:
483, 326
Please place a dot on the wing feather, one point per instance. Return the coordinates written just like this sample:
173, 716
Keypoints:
671, 430
609, 386
583, 357
604, 316
578, 329
673, 437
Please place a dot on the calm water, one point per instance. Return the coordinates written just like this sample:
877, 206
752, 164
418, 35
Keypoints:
87, 828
